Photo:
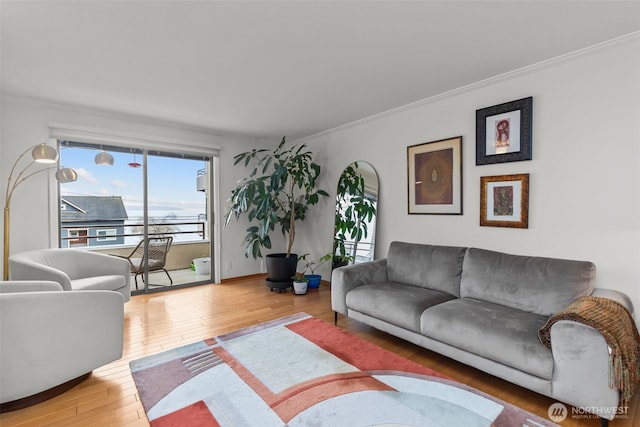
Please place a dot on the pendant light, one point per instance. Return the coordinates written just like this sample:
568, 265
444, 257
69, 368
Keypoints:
43, 153
104, 158
134, 164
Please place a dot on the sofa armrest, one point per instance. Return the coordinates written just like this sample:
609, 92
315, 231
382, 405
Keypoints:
29, 286
343, 279
581, 368
617, 296
49, 338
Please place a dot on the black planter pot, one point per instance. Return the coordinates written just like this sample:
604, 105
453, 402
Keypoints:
280, 268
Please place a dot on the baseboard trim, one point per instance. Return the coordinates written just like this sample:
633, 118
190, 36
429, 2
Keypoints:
241, 278
254, 276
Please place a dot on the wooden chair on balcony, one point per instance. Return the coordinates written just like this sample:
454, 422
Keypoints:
157, 249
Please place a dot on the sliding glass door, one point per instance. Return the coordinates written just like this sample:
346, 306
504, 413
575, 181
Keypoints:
149, 207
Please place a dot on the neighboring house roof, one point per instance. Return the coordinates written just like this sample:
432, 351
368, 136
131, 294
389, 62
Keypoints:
92, 208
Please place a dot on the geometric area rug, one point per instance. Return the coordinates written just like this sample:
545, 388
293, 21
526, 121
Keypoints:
302, 371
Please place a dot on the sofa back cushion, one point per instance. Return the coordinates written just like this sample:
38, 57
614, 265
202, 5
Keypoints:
538, 285
428, 266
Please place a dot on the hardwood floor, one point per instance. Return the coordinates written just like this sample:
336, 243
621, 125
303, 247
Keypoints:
161, 321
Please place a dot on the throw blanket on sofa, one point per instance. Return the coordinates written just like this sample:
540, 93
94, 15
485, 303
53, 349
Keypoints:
618, 328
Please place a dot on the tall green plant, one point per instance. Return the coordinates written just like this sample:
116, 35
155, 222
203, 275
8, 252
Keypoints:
354, 209
277, 192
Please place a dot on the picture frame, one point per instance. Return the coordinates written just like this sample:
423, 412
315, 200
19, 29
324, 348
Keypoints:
434, 173
503, 132
504, 201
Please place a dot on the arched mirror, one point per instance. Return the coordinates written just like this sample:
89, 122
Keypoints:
355, 216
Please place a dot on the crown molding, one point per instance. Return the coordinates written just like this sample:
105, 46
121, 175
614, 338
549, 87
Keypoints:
483, 83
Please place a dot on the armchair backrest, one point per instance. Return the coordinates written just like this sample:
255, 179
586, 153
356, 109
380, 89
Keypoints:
12, 286
157, 249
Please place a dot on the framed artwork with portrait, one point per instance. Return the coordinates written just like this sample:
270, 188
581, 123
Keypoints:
503, 132
435, 177
504, 201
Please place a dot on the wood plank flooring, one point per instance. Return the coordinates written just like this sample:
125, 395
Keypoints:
157, 322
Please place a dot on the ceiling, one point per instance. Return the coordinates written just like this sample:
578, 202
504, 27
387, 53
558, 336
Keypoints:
268, 68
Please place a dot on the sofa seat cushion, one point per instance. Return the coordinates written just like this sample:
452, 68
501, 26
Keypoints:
395, 303
502, 334
110, 283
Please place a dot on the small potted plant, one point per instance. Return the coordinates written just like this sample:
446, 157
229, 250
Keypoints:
300, 283
311, 265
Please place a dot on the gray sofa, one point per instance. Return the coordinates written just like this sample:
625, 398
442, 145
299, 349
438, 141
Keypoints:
484, 309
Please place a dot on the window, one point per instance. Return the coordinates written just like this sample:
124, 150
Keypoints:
107, 234
142, 193
78, 238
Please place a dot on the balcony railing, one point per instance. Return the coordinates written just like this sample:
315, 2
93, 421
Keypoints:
188, 244
80, 235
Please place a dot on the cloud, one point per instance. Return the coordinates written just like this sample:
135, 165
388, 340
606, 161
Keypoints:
119, 184
85, 175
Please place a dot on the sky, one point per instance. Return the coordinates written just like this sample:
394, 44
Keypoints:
172, 182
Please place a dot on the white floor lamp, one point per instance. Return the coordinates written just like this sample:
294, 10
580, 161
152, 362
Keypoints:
41, 153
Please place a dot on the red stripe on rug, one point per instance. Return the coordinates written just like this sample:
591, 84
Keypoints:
303, 396
246, 375
194, 415
356, 351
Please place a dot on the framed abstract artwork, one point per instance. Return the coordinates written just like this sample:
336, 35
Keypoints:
504, 201
435, 177
503, 132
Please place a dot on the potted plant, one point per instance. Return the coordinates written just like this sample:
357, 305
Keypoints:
310, 266
277, 193
354, 209
300, 283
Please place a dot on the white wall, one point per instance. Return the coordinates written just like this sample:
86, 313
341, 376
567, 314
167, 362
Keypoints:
585, 172
25, 122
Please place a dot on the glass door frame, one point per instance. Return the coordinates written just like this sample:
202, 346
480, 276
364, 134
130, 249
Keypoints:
94, 136
210, 229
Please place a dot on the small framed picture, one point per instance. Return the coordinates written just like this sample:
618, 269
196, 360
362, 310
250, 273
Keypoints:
504, 201
503, 132
435, 177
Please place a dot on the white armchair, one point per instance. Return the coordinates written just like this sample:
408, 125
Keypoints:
73, 269
50, 339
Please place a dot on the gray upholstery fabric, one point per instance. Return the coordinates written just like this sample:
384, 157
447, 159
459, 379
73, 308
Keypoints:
343, 279
502, 334
581, 373
428, 266
395, 303
504, 300
515, 376
538, 285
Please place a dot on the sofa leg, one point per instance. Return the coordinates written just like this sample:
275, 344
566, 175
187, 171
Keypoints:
604, 422
335, 318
